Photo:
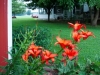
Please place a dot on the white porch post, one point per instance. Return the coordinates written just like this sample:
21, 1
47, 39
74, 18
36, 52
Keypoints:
9, 13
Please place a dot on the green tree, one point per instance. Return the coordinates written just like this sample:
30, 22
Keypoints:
17, 7
67, 4
46, 4
94, 6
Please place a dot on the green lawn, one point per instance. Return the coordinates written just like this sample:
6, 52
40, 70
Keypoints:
88, 49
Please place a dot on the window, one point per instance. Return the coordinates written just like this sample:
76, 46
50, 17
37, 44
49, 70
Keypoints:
42, 11
58, 10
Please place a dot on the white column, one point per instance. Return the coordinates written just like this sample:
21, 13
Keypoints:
9, 15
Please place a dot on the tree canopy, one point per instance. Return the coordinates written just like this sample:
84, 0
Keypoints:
46, 4
68, 4
94, 6
17, 7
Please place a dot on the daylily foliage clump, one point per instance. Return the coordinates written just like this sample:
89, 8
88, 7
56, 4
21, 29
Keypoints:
69, 49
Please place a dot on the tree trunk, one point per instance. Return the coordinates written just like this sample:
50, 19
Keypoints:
94, 18
91, 14
48, 14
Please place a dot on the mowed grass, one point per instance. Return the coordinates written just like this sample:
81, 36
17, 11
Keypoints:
88, 49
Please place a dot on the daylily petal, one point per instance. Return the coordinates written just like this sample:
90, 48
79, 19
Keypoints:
47, 55
59, 39
52, 59
25, 56
53, 55
31, 46
30, 51
86, 34
71, 53
76, 36
47, 52
77, 26
38, 52
62, 42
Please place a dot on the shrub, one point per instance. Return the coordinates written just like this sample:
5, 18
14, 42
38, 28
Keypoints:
42, 36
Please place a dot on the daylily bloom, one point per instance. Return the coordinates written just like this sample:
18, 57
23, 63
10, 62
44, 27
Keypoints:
71, 46
25, 56
76, 36
46, 56
70, 53
34, 53
77, 26
34, 50
86, 34
34, 47
63, 42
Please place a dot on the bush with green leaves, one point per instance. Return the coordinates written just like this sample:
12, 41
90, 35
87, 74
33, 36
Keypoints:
42, 36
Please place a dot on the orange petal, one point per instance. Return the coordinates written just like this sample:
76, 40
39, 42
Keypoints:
38, 52
71, 24
25, 57
59, 39
30, 51
53, 55
47, 52
52, 59
46, 57
72, 54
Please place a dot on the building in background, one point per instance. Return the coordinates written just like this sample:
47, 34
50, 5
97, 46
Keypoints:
57, 12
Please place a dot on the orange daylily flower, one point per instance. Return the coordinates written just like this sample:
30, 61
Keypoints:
70, 53
47, 55
71, 46
25, 56
34, 50
34, 47
86, 34
34, 53
76, 36
63, 42
77, 26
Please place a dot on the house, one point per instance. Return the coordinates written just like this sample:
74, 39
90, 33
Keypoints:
58, 13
